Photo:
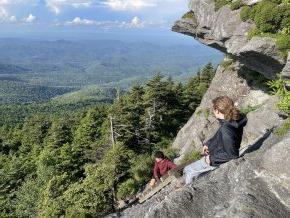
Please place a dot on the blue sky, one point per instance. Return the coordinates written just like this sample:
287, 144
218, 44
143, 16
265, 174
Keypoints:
59, 17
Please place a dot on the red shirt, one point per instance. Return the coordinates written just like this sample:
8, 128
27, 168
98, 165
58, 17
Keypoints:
162, 167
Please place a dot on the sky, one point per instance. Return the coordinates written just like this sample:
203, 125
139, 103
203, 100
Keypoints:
91, 18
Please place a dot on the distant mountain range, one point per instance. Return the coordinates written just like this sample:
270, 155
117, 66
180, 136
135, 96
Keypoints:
30, 70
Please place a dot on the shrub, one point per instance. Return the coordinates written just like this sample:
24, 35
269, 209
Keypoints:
253, 32
285, 14
279, 88
286, 31
245, 13
283, 43
267, 16
235, 5
127, 189
276, 1
171, 153
141, 169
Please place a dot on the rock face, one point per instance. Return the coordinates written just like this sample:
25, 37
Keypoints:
236, 82
286, 70
255, 185
258, 183
224, 30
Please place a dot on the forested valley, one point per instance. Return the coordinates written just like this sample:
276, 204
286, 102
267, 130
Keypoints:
77, 161
38, 70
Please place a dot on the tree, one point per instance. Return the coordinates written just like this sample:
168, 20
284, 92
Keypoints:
60, 133
89, 130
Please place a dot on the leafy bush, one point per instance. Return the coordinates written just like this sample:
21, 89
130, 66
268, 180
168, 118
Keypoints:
286, 31
279, 88
283, 43
127, 189
141, 169
171, 153
267, 16
284, 10
245, 13
253, 32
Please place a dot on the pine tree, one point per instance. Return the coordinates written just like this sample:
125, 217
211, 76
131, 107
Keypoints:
89, 130
127, 115
60, 133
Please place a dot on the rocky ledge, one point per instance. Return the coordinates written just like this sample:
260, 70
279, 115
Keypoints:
225, 31
255, 185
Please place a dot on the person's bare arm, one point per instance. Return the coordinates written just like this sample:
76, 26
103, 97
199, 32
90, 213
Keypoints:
205, 150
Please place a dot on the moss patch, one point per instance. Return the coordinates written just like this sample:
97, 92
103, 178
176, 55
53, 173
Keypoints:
284, 129
220, 3
235, 5
249, 109
188, 15
245, 13
204, 111
226, 63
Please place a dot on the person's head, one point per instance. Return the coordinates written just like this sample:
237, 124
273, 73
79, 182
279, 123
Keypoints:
224, 108
159, 156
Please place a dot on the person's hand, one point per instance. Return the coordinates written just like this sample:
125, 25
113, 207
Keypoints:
152, 182
207, 159
205, 150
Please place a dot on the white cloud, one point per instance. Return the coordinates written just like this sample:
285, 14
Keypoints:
134, 23
79, 21
30, 19
13, 19
57, 5
5, 16
122, 5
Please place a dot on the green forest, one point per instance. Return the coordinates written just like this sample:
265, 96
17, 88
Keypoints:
79, 161
36, 71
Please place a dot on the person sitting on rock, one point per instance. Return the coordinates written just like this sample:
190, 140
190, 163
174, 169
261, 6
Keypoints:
224, 145
161, 167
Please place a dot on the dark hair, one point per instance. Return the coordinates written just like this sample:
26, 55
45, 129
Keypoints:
159, 154
226, 106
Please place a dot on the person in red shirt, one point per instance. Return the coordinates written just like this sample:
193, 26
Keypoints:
161, 167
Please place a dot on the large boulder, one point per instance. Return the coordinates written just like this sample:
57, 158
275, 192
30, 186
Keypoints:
250, 95
286, 70
224, 30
